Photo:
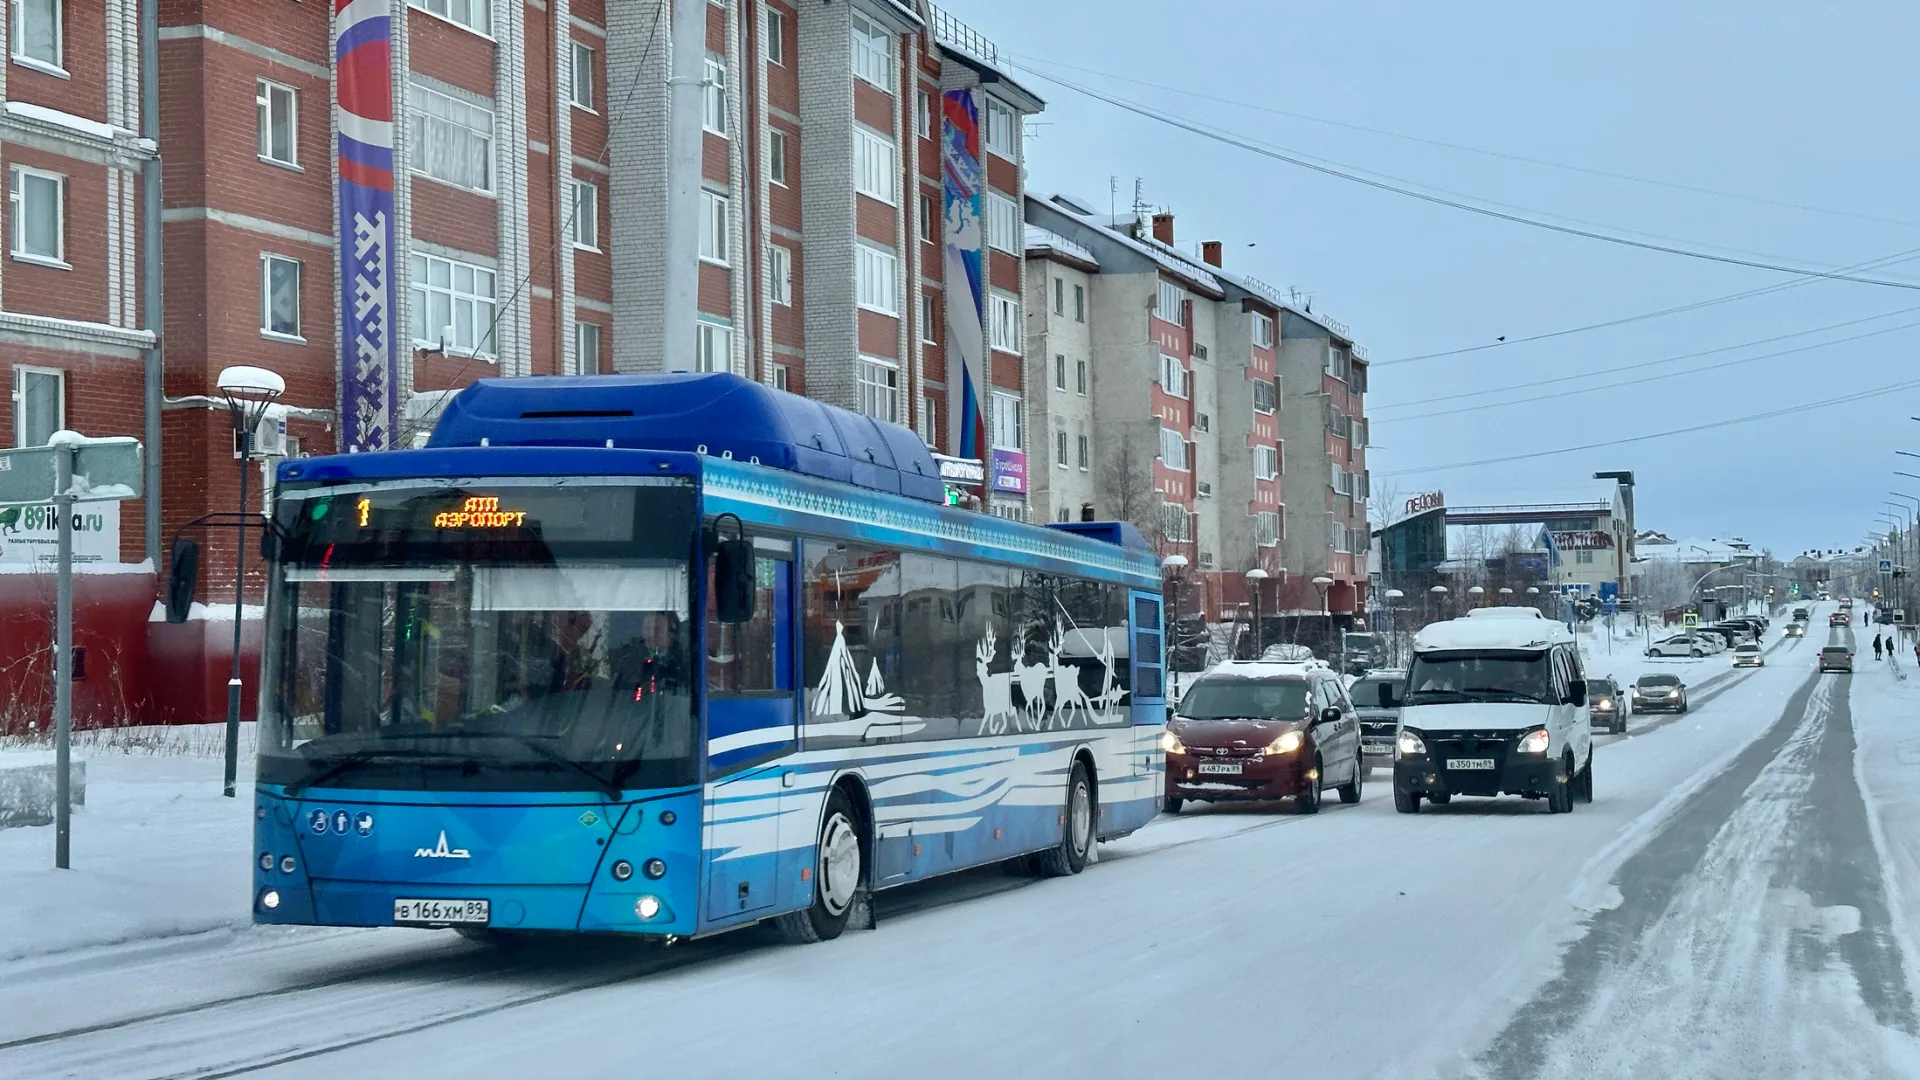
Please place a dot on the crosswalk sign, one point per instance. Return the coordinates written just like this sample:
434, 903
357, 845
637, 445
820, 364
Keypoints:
1690, 621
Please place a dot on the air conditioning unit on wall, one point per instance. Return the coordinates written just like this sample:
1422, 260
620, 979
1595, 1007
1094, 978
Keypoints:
269, 438
1204, 489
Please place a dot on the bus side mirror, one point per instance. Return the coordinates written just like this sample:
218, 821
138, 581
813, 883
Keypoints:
183, 574
734, 580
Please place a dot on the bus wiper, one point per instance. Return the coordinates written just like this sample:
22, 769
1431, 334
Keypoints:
544, 753
354, 760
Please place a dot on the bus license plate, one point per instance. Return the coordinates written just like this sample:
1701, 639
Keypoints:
440, 912
1470, 763
1219, 768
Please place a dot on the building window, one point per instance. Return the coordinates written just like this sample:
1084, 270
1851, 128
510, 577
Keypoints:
777, 156
580, 90
926, 217
1006, 421
1584, 556
779, 275
1060, 371
1006, 324
929, 413
1079, 303
475, 15
39, 404
1266, 462
1003, 224
452, 140
1060, 449
1175, 522
715, 244
1173, 376
1080, 377
776, 37
714, 116
1169, 304
36, 34
874, 165
713, 347
1262, 331
1001, 121
878, 284
1265, 397
586, 347
1059, 296
279, 297
928, 327
583, 221
1085, 452
1173, 449
452, 305
872, 54
779, 376
923, 113
279, 118
879, 389
38, 202
1266, 528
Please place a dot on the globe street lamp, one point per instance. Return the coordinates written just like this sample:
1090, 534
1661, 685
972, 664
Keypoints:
1439, 595
249, 391
1476, 592
1254, 577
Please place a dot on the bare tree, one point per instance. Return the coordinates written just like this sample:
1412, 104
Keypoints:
1126, 488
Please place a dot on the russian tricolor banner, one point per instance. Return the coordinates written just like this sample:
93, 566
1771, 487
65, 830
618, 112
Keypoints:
363, 73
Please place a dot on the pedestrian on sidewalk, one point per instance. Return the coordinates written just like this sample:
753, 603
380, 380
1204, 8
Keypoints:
1876, 646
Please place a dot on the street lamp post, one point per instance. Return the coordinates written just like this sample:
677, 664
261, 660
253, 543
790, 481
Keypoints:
1439, 594
1476, 593
1393, 596
1254, 577
1322, 583
249, 391
1174, 564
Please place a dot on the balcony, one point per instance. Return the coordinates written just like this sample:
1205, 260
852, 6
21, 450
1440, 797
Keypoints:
954, 34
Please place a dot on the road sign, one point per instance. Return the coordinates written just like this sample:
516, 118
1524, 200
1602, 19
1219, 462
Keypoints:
1690, 621
70, 469
1886, 566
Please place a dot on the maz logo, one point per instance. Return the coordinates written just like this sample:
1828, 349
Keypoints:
441, 850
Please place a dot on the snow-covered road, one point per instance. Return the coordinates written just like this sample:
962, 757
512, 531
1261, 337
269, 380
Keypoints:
1730, 905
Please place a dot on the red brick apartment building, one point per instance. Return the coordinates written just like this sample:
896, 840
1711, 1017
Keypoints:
501, 168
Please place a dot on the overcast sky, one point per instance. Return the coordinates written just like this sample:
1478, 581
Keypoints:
1790, 102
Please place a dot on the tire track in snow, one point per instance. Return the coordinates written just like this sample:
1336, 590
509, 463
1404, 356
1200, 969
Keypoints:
1716, 961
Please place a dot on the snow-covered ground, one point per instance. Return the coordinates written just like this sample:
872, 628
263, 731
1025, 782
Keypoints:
1736, 902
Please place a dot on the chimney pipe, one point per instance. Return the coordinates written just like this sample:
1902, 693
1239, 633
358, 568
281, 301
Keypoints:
1163, 228
1210, 251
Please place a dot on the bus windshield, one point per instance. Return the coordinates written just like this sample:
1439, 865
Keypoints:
534, 639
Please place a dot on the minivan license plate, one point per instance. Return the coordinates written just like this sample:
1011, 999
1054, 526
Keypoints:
1219, 768
1470, 763
440, 912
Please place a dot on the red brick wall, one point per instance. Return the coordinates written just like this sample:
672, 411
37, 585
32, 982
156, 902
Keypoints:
879, 334
84, 57
452, 54
80, 292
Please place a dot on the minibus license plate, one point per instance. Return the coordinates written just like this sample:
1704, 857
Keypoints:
441, 912
1470, 763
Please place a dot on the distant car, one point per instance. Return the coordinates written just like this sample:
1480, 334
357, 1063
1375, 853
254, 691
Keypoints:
1836, 658
1796, 630
1748, 656
1714, 642
1680, 645
1257, 730
1839, 618
1800, 613
1376, 697
1605, 707
1846, 603
1665, 693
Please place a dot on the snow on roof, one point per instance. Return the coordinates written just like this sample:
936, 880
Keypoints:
1040, 238
1696, 550
80, 124
1169, 258
1266, 669
1483, 630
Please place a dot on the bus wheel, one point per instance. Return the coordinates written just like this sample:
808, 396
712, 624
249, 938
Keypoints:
1076, 833
836, 877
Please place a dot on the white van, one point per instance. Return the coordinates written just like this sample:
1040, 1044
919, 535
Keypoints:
1495, 704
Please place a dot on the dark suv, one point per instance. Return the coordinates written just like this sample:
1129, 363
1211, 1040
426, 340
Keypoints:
1251, 731
1605, 705
1377, 699
1836, 658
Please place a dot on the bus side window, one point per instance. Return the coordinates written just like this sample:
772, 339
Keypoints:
740, 656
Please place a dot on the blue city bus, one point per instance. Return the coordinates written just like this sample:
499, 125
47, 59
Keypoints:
672, 654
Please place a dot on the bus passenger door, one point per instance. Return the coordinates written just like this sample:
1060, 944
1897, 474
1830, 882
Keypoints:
1148, 653
751, 716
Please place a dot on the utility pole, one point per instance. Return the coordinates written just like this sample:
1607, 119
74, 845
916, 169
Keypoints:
685, 92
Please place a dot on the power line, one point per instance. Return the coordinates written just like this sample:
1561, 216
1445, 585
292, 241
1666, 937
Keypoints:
1297, 161
1534, 454
1500, 154
1652, 363
1656, 378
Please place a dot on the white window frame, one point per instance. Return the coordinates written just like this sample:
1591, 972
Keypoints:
480, 323
927, 318
927, 218
479, 18
1005, 329
1266, 463
1059, 371
1060, 448
1080, 377
877, 279
929, 417
1270, 408
716, 233
779, 275
1006, 427
268, 260
1003, 130
17, 178
715, 116
712, 346
1177, 521
583, 215
780, 377
1059, 295
17, 35
586, 361
923, 113
423, 123
1084, 446
876, 166
1003, 224
873, 54
1266, 528
20, 377
1169, 303
1079, 303
1262, 330
776, 37
878, 382
580, 77
1173, 377
265, 93
777, 156
1173, 450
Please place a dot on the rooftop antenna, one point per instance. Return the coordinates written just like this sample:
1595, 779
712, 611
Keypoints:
1140, 207
1113, 197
